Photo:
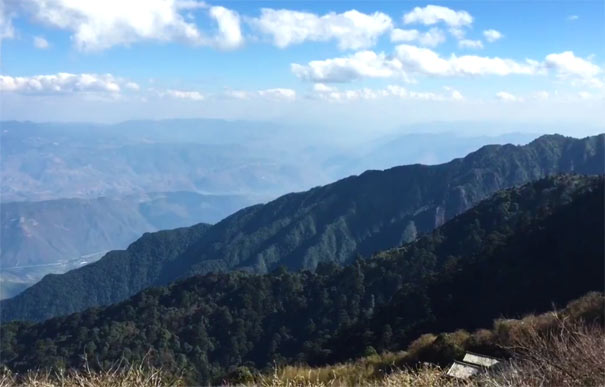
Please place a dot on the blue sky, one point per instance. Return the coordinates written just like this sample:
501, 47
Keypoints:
317, 62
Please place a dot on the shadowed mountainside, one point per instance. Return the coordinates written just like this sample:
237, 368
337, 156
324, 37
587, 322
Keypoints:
510, 254
357, 215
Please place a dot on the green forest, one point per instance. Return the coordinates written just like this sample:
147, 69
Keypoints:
492, 260
359, 215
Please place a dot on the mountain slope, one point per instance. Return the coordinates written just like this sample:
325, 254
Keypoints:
55, 236
357, 215
206, 325
119, 272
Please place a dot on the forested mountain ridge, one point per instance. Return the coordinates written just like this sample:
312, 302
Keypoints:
55, 236
509, 254
361, 214
119, 272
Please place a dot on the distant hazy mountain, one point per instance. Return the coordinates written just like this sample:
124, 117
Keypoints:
58, 235
43, 161
227, 159
521, 250
413, 148
357, 215
55, 161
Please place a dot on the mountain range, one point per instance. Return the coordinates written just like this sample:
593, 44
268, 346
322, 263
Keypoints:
374, 211
108, 184
510, 255
45, 161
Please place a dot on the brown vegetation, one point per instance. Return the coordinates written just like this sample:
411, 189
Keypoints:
560, 348
133, 376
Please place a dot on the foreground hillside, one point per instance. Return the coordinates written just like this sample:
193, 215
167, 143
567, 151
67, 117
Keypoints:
358, 215
558, 348
506, 256
561, 347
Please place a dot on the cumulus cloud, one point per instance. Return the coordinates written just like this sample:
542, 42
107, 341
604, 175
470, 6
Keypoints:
507, 97
567, 66
62, 83
409, 60
332, 94
132, 86
362, 64
458, 33
351, 29
492, 35
278, 93
426, 61
433, 14
431, 38
237, 94
99, 25
273, 94
40, 42
184, 94
7, 30
230, 33
573, 17
322, 88
467, 43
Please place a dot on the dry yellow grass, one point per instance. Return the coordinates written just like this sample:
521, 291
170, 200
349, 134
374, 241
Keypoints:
118, 377
348, 375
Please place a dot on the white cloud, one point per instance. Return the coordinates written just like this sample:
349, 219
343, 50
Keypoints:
467, 43
576, 70
273, 94
7, 30
99, 25
362, 64
507, 97
433, 14
584, 95
399, 35
230, 34
184, 94
351, 29
61, 83
335, 95
132, 86
278, 93
454, 94
322, 88
567, 65
40, 42
573, 17
237, 94
409, 60
425, 61
492, 35
458, 33
431, 38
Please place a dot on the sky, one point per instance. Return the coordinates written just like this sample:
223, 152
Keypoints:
365, 65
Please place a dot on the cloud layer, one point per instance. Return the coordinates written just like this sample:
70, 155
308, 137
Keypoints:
333, 94
409, 60
99, 25
433, 14
351, 29
62, 83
